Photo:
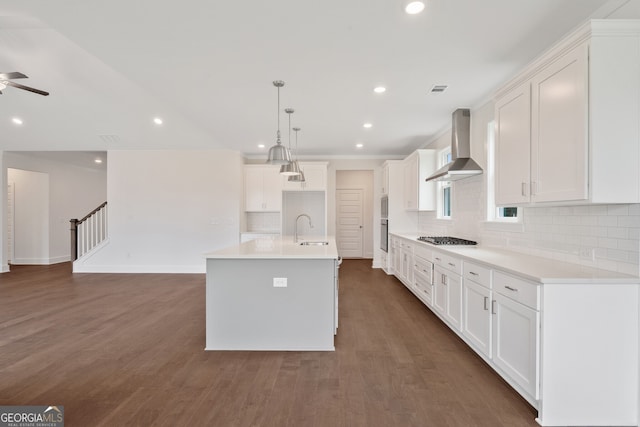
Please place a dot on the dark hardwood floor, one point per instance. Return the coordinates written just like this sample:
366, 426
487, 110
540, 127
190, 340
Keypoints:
128, 349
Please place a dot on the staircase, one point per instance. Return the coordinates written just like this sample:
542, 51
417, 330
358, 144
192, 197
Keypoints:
88, 232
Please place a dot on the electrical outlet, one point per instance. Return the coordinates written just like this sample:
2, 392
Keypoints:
587, 254
279, 282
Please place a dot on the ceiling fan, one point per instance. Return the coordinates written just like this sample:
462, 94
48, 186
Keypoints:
5, 81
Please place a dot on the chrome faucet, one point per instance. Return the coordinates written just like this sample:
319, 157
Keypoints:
295, 228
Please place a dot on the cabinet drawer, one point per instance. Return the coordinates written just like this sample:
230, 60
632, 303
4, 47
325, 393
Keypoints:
477, 273
423, 286
423, 252
424, 268
520, 290
406, 245
448, 262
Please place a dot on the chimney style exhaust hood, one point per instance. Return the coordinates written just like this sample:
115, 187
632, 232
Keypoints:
461, 165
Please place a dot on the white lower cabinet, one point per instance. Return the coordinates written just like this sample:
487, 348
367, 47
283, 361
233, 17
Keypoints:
552, 347
448, 296
515, 338
477, 316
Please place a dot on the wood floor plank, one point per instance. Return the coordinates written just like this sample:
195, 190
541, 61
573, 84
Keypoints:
128, 349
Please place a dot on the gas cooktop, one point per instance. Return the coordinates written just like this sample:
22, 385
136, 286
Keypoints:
446, 240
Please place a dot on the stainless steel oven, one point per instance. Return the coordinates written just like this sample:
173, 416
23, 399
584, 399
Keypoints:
384, 235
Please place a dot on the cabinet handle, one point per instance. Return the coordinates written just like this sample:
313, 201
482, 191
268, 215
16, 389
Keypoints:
493, 307
426, 271
524, 188
534, 188
486, 300
444, 280
451, 264
510, 288
473, 273
438, 259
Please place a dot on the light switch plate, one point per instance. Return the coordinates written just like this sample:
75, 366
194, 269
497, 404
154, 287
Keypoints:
279, 282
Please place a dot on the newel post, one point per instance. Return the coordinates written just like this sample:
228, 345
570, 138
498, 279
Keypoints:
74, 239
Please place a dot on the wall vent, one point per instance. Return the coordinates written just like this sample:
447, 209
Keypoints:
109, 139
438, 88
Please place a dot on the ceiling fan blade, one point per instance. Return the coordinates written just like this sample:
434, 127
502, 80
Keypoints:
30, 89
11, 76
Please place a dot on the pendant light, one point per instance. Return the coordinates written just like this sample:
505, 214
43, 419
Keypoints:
291, 168
278, 154
300, 177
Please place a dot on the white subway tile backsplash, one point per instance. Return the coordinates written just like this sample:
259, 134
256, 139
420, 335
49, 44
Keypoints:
608, 221
629, 221
569, 233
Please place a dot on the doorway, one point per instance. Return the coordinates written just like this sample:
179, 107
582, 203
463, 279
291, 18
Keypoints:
28, 217
354, 213
349, 236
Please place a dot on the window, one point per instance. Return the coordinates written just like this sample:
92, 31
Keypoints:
496, 213
444, 188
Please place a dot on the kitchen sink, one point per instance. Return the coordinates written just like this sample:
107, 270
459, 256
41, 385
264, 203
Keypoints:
318, 243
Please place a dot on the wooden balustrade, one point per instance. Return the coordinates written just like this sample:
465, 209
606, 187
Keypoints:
89, 231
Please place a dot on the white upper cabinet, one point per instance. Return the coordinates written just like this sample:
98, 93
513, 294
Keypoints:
513, 145
385, 179
315, 175
559, 121
419, 195
568, 126
262, 188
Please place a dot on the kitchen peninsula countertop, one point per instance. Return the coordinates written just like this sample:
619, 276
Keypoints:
279, 247
534, 268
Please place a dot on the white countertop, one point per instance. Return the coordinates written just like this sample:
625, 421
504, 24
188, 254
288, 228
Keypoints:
537, 269
278, 247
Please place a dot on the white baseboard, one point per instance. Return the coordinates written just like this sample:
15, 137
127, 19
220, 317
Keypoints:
186, 269
30, 261
5, 268
41, 261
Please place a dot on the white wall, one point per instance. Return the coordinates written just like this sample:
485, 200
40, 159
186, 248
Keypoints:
312, 203
563, 233
167, 209
31, 216
74, 191
362, 179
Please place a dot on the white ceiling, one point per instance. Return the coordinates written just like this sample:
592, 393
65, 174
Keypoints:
206, 68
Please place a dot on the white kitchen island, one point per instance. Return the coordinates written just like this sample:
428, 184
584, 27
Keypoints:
272, 294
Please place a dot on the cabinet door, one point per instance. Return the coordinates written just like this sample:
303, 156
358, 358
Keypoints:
411, 183
385, 179
253, 189
513, 143
477, 316
559, 142
440, 290
515, 342
272, 190
453, 312
315, 179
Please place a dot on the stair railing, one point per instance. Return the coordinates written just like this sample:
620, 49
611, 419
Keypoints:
88, 232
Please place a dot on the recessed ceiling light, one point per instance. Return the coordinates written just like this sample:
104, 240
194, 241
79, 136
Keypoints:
367, 125
359, 145
17, 121
438, 88
260, 145
380, 89
414, 7
98, 160
157, 120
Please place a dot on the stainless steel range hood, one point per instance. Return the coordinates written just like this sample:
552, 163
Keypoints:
461, 165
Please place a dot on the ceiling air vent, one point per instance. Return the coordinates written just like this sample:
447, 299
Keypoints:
438, 88
109, 139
